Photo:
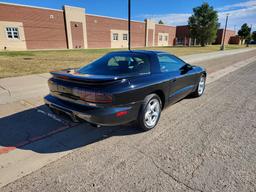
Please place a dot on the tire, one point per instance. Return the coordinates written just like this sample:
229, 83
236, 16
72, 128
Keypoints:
200, 87
150, 112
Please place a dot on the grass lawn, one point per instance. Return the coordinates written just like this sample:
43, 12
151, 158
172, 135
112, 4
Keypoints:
18, 63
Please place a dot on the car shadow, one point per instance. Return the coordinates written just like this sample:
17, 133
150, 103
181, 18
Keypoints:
39, 130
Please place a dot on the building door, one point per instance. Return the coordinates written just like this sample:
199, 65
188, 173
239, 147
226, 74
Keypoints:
77, 35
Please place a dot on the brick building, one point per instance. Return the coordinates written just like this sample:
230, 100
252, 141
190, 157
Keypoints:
183, 36
28, 27
228, 37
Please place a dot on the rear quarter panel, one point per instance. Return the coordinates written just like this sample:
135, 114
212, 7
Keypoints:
138, 88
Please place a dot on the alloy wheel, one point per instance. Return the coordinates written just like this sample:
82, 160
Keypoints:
152, 113
201, 85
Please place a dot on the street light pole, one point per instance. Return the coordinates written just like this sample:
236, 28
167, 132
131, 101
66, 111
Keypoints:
129, 24
223, 41
248, 40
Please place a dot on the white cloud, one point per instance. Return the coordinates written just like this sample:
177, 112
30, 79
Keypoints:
245, 4
239, 13
170, 19
238, 17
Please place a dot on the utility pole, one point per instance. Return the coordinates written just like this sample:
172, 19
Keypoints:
249, 38
129, 24
222, 48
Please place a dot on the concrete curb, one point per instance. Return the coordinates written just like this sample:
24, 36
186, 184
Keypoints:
213, 55
221, 73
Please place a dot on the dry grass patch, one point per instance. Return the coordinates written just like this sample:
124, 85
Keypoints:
18, 63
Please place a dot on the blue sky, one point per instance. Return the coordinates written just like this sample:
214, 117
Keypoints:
172, 12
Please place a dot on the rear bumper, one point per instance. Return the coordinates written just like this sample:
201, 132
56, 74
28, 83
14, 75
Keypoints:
95, 115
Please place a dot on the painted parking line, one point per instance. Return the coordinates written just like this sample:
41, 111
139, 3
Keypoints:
66, 125
8, 149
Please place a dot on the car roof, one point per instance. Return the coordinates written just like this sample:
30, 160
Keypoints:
150, 52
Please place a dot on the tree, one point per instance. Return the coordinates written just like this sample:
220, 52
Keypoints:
161, 22
254, 35
245, 32
204, 24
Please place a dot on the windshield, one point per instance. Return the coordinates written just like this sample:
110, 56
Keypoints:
118, 64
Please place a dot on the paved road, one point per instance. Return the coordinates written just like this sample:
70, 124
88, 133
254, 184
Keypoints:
203, 144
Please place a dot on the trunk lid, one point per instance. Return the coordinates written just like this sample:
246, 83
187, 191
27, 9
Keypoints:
86, 79
79, 88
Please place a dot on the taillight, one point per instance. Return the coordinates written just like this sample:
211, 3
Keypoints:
121, 113
90, 96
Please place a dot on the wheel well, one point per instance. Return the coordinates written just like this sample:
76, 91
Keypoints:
205, 74
160, 94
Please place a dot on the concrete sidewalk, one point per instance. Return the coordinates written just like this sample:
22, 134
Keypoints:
25, 87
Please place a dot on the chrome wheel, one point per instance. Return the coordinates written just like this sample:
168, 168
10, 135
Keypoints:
152, 113
201, 85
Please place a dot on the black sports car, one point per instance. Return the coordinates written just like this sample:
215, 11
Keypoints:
123, 87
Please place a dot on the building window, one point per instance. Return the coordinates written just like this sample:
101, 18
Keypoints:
180, 41
166, 38
115, 36
12, 32
160, 37
125, 37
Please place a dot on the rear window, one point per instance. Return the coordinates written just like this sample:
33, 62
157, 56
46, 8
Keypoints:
118, 64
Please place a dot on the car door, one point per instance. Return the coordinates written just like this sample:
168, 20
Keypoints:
181, 81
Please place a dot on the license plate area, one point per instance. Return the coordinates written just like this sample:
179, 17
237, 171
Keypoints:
60, 110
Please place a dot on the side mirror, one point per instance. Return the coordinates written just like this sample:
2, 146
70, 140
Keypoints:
186, 67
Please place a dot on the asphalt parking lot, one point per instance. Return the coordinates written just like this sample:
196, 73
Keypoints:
204, 144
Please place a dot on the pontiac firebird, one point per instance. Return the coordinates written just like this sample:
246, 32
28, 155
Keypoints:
123, 87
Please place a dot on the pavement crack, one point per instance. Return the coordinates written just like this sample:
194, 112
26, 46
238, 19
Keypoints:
199, 165
167, 173
8, 91
201, 154
40, 75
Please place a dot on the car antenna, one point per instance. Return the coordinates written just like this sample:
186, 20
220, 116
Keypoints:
129, 25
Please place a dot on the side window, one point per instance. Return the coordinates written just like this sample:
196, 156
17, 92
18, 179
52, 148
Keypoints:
169, 63
115, 36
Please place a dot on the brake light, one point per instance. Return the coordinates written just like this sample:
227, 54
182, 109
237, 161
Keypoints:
63, 77
121, 113
90, 96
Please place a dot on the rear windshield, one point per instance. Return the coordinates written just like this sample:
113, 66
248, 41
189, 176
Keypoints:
118, 64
